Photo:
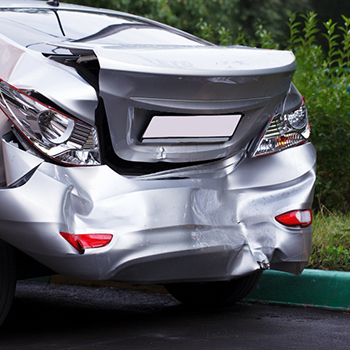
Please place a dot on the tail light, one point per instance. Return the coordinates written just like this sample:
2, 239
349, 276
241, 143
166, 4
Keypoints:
58, 136
299, 218
84, 241
284, 131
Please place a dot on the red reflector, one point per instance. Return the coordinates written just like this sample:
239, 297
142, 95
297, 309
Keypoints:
301, 218
81, 242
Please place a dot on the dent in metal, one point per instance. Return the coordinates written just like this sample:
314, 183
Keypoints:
26, 69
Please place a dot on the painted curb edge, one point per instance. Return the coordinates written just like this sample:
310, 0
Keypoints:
316, 288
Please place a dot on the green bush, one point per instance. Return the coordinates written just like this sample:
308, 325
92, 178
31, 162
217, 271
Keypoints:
323, 78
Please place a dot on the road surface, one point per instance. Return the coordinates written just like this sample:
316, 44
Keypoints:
70, 317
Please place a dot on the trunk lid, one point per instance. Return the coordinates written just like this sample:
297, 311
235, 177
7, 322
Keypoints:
144, 89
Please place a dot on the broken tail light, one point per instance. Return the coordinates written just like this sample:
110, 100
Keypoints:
58, 136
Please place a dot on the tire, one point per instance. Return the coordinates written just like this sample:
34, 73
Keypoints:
213, 294
7, 278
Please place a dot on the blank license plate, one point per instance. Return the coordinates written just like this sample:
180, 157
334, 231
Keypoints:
201, 126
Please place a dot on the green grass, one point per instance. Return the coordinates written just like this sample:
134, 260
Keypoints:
331, 242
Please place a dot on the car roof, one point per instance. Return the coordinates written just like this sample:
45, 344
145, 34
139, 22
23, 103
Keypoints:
39, 4
32, 3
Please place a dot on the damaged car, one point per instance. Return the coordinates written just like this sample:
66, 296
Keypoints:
132, 151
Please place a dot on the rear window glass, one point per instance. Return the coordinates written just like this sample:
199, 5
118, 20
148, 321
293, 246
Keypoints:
100, 28
117, 30
44, 22
77, 25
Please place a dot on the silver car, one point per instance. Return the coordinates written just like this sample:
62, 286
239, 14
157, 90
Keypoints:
135, 152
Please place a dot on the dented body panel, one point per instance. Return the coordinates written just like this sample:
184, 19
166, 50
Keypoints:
215, 226
183, 208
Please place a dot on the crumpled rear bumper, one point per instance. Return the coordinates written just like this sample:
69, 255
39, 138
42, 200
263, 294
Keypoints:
215, 225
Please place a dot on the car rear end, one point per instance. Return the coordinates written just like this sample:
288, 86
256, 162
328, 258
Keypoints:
187, 163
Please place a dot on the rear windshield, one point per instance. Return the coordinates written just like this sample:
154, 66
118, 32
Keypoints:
32, 26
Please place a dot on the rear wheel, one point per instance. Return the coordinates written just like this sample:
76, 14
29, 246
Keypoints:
7, 278
211, 294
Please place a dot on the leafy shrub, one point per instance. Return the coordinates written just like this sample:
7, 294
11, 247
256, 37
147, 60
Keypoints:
324, 80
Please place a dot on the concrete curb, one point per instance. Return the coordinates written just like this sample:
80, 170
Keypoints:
317, 288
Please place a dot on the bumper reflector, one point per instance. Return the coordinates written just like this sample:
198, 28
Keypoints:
301, 218
81, 242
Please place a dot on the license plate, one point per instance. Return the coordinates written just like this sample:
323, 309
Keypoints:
199, 126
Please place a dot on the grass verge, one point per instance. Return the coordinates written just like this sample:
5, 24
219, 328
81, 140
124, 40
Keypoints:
331, 242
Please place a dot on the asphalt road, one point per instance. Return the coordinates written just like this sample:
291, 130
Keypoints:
69, 317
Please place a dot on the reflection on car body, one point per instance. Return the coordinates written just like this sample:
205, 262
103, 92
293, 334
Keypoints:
135, 152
